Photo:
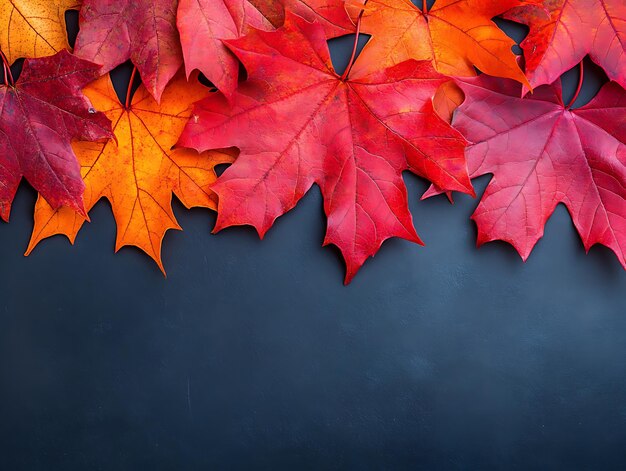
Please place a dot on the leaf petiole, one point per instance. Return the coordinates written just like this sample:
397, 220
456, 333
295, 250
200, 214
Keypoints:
356, 43
130, 87
581, 79
425, 7
8, 76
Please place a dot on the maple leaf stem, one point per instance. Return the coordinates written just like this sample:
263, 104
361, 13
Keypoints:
425, 6
356, 43
581, 79
130, 87
8, 76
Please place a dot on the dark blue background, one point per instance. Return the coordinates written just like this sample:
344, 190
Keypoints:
254, 355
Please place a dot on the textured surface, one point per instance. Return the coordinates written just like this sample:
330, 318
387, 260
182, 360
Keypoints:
437, 357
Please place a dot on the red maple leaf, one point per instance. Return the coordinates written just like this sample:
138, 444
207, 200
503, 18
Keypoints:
143, 31
204, 24
39, 116
569, 31
297, 122
542, 153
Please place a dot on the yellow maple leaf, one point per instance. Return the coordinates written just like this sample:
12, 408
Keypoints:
33, 28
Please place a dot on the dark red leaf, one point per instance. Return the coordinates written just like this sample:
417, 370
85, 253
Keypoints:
39, 117
114, 31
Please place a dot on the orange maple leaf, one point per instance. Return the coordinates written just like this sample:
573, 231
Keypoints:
456, 35
34, 28
139, 172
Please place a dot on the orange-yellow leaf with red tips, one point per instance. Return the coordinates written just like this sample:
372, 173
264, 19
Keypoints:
139, 172
457, 35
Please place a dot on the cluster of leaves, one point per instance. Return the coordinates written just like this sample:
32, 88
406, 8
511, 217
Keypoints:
411, 101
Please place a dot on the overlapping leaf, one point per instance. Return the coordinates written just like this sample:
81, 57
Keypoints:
138, 172
143, 31
541, 154
203, 24
331, 14
572, 29
457, 35
297, 122
39, 117
33, 28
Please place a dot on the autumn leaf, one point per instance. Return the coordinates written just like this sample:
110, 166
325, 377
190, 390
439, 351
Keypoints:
39, 116
447, 99
33, 28
457, 35
296, 122
139, 173
541, 153
143, 31
573, 29
331, 14
203, 24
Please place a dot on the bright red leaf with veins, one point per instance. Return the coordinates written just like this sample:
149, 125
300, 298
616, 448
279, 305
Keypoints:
39, 117
144, 31
573, 29
297, 122
541, 154
203, 24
